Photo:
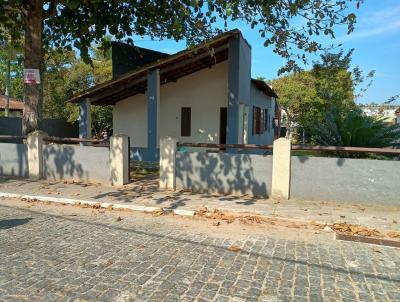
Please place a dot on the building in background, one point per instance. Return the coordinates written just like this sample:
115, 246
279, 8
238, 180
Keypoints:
204, 94
389, 111
16, 107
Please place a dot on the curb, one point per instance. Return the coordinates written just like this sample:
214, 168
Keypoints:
104, 205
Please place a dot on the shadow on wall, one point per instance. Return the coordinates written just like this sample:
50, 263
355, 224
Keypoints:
13, 160
59, 163
224, 173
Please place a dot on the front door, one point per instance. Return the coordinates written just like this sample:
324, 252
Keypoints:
223, 123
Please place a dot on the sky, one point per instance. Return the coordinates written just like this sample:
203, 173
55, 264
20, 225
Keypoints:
376, 40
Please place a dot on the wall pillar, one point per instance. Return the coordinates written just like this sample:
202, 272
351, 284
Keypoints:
167, 163
34, 143
119, 159
153, 105
85, 119
239, 81
281, 168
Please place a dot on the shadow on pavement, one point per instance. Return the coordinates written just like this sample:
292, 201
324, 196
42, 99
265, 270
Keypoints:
12, 223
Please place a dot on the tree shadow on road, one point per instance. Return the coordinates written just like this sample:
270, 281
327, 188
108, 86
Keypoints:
12, 223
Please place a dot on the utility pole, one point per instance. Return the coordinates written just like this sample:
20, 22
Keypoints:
8, 79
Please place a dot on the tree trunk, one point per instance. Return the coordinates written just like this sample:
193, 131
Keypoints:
33, 93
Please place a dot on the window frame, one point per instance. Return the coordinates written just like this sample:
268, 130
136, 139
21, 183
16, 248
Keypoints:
186, 121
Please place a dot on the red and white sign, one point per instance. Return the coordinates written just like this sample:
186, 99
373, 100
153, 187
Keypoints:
31, 76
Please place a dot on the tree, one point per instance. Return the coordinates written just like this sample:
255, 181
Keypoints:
354, 129
299, 100
337, 82
11, 71
331, 84
66, 75
79, 23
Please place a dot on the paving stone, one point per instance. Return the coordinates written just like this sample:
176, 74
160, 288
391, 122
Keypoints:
55, 258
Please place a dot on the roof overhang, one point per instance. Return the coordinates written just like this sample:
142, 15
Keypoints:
171, 68
261, 85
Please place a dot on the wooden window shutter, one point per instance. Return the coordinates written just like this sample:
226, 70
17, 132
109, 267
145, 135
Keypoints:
186, 121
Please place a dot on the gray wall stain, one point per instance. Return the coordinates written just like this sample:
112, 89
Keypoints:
347, 180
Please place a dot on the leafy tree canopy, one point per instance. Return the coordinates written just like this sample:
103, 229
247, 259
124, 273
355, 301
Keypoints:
331, 84
79, 23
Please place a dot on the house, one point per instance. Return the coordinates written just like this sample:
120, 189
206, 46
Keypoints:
203, 94
15, 106
387, 111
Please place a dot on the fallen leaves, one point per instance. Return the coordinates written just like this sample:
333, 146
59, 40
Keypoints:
228, 218
234, 248
393, 234
159, 213
352, 229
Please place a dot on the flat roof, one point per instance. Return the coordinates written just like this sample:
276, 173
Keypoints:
183, 63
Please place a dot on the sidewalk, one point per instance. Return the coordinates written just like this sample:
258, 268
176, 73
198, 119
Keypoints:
146, 193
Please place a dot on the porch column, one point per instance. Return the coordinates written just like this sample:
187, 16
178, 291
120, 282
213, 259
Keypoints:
153, 104
85, 119
239, 81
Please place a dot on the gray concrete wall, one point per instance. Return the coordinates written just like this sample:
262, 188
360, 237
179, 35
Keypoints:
347, 180
80, 163
224, 173
13, 160
53, 127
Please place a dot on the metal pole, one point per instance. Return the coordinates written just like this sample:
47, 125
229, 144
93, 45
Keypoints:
8, 80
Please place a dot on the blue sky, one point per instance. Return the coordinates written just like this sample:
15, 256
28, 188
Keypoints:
376, 40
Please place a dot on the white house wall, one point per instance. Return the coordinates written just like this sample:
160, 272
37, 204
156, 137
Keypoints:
130, 118
204, 91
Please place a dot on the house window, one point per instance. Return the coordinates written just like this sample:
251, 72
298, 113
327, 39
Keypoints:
266, 120
186, 121
257, 120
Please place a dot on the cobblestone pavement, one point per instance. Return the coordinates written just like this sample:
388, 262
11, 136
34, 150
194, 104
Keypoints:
49, 257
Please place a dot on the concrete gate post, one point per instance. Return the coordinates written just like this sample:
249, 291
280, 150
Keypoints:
119, 159
167, 163
281, 163
34, 143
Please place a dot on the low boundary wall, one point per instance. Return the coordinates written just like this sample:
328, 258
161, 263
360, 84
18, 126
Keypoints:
82, 163
282, 175
224, 173
345, 179
13, 160
37, 159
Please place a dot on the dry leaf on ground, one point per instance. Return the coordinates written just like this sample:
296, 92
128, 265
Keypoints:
352, 229
158, 213
393, 234
234, 248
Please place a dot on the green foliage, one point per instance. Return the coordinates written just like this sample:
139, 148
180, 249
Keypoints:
80, 23
354, 129
65, 76
16, 60
298, 97
306, 96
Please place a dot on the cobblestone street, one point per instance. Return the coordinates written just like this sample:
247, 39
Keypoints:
50, 254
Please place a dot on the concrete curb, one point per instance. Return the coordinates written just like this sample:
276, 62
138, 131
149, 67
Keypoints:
104, 205
135, 208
